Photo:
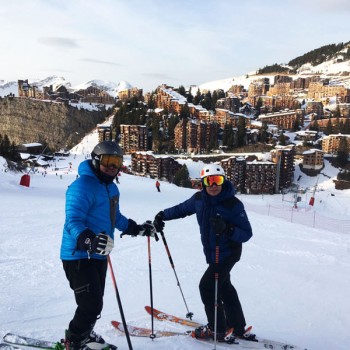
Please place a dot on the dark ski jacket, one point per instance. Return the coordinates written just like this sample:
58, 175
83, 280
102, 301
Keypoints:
92, 204
206, 207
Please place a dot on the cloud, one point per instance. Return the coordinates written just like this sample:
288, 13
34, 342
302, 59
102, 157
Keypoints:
100, 62
59, 42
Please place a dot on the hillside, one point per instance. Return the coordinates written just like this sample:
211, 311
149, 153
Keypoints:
56, 124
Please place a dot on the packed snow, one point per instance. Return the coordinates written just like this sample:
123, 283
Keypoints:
293, 279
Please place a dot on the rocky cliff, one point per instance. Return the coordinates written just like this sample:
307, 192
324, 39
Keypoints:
56, 124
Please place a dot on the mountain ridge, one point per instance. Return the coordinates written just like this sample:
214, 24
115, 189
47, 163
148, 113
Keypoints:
336, 66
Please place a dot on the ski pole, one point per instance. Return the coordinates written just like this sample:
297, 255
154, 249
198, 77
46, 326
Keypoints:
216, 276
189, 314
152, 335
119, 304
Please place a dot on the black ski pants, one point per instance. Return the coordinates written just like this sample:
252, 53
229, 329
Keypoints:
229, 313
87, 279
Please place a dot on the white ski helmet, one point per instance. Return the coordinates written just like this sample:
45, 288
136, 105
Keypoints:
212, 169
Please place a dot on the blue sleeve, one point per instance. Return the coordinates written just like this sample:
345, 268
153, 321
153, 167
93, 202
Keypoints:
78, 203
181, 210
121, 222
242, 229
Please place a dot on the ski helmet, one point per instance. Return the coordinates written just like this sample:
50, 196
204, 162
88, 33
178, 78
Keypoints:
212, 169
105, 147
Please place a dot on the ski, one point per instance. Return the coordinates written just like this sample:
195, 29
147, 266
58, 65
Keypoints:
24, 342
239, 343
144, 332
163, 316
260, 344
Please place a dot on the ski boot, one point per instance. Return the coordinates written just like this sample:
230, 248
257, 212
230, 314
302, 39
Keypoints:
91, 342
246, 334
203, 332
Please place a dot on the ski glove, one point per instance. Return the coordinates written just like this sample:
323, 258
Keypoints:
219, 225
158, 221
101, 244
146, 229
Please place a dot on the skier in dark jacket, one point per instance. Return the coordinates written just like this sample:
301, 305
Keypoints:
92, 214
222, 221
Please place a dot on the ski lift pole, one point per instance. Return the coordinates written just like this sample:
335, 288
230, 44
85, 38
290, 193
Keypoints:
189, 314
38, 157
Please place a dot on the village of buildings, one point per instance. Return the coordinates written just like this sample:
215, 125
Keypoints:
281, 110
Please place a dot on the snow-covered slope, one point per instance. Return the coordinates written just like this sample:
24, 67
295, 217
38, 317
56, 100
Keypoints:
292, 279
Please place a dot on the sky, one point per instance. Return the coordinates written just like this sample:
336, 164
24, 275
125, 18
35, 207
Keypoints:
148, 43
293, 279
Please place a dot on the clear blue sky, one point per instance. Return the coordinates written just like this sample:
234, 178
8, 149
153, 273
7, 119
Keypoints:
149, 42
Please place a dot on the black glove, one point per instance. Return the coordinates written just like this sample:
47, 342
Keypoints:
101, 244
146, 229
219, 225
158, 221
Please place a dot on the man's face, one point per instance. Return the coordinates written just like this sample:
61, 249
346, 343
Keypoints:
109, 171
110, 164
213, 184
214, 190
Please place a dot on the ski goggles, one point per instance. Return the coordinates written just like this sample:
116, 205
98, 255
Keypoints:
210, 180
111, 161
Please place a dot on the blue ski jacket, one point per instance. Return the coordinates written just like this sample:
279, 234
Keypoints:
206, 207
93, 204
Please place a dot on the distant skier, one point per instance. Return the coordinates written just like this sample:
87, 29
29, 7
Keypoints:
158, 185
223, 223
92, 214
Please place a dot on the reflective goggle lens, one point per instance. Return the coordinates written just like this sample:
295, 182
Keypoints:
111, 161
210, 180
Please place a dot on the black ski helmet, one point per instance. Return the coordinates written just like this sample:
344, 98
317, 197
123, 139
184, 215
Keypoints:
105, 147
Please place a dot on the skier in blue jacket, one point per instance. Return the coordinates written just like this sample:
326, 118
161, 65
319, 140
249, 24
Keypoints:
92, 214
223, 223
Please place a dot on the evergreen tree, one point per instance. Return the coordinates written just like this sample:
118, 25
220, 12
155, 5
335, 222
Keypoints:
336, 128
263, 133
337, 112
197, 98
5, 146
282, 139
182, 177
172, 121
241, 132
228, 137
1, 145
151, 102
185, 112
190, 96
329, 127
314, 126
343, 152
258, 105
181, 90
213, 142
295, 125
207, 101
346, 129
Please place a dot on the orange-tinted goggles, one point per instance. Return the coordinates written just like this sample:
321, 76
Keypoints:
210, 180
111, 161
